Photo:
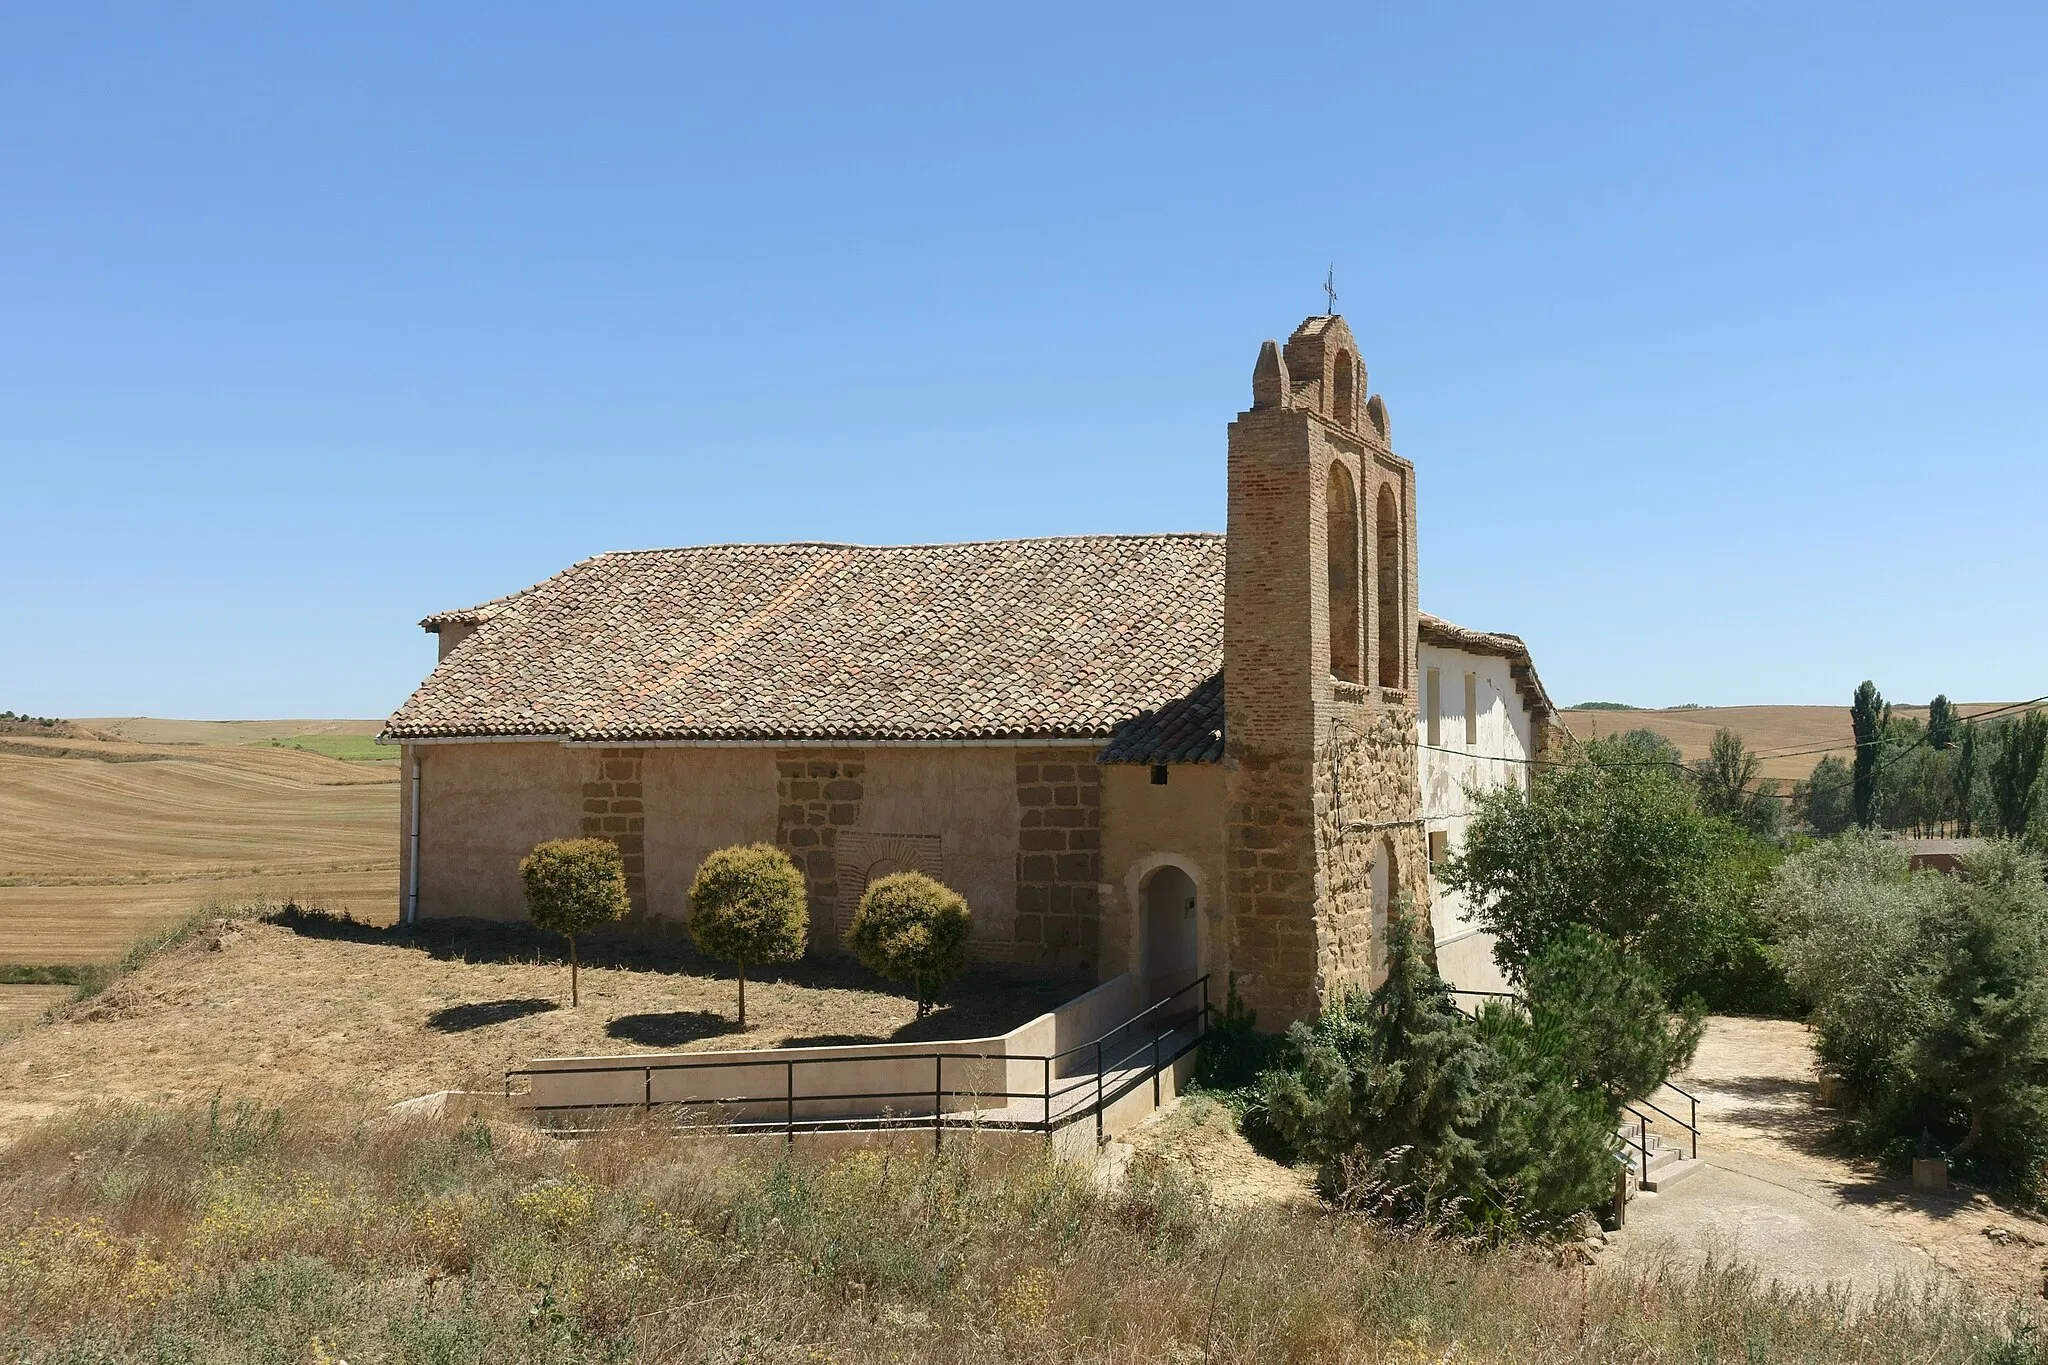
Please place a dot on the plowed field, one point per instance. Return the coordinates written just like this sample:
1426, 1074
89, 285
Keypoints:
102, 838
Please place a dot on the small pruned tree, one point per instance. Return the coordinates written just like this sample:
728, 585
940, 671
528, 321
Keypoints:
748, 905
573, 886
910, 928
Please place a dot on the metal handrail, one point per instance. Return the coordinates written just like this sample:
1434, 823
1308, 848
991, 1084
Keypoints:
1051, 1117
1199, 983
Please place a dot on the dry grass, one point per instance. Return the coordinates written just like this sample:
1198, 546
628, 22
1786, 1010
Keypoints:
1764, 729
250, 1007
308, 1232
103, 839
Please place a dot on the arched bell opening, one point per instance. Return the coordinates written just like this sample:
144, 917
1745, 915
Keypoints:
1341, 536
1393, 594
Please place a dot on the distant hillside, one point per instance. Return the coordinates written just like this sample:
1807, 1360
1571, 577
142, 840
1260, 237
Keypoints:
1791, 738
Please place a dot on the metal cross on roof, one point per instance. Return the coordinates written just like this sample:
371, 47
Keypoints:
1330, 288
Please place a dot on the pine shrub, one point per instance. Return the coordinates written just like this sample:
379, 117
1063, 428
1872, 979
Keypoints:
1498, 1126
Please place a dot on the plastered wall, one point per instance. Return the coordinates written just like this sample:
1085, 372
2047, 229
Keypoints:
482, 808
1145, 826
1496, 756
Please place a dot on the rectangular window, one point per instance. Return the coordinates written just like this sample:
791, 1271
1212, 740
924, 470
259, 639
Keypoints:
1439, 847
1471, 710
1158, 774
1433, 704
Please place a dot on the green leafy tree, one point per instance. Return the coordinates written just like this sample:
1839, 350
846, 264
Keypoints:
573, 886
910, 928
1944, 723
1869, 717
1964, 774
1986, 1047
1914, 788
747, 905
2015, 774
1732, 786
1599, 840
1826, 800
1646, 748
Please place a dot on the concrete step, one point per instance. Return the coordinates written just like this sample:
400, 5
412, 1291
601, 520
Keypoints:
1664, 1177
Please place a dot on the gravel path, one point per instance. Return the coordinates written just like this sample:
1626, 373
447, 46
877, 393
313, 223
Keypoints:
1779, 1193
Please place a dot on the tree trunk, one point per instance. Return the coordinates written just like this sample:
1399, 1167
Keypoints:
743, 996
1976, 1133
573, 1001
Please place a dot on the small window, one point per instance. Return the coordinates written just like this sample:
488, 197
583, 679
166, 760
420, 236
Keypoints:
1433, 703
1158, 774
1439, 847
1471, 710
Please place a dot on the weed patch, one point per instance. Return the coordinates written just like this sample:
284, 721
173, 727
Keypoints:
243, 1233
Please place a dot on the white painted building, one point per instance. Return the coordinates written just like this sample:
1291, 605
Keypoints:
1483, 720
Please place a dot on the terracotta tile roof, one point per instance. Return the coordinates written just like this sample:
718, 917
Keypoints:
997, 639
1186, 730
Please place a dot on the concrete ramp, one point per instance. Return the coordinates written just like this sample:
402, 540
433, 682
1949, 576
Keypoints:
1079, 1074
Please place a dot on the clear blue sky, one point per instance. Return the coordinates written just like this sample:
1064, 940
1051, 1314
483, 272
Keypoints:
1716, 336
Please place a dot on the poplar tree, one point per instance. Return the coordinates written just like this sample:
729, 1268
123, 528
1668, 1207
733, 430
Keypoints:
1869, 716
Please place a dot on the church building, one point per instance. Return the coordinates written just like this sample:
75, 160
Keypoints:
1156, 754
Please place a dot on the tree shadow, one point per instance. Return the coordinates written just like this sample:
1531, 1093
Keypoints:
670, 1030
462, 1018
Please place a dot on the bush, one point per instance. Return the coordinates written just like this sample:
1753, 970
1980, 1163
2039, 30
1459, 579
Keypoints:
1983, 1055
747, 905
572, 886
1499, 1126
910, 928
1930, 998
1849, 914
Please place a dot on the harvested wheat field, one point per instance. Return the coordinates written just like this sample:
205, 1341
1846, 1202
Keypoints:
1791, 739
267, 1008
104, 838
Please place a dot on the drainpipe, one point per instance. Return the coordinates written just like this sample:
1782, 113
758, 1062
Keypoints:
412, 890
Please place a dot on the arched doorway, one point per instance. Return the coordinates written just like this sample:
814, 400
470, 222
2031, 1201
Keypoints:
1169, 933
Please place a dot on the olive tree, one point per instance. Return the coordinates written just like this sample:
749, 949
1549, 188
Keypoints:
748, 905
574, 885
911, 928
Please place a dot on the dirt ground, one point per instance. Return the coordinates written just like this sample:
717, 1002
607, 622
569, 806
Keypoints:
103, 839
1198, 1137
260, 1009
1759, 1119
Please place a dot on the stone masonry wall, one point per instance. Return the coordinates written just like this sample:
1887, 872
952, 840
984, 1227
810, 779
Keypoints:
615, 809
818, 794
1059, 858
1368, 807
